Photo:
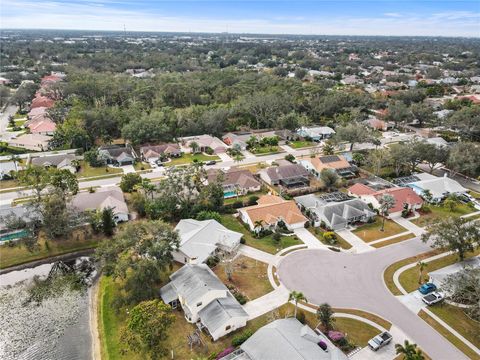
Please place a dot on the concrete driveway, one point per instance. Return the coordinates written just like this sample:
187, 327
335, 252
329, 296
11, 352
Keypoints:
356, 281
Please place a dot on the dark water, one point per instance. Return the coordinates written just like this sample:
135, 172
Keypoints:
58, 328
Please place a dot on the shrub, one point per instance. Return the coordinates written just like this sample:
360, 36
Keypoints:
252, 200
301, 317
276, 237
212, 261
290, 158
330, 237
209, 151
237, 204
240, 298
242, 240
225, 352
240, 339
335, 336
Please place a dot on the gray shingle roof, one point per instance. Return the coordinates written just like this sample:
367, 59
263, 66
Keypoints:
53, 160
286, 172
216, 314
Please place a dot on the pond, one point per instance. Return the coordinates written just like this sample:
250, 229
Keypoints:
57, 328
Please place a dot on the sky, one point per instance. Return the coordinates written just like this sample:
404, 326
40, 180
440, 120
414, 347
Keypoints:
320, 17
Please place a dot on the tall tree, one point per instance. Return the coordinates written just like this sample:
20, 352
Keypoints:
329, 178
325, 315
463, 159
398, 112
353, 133
387, 202
455, 234
296, 296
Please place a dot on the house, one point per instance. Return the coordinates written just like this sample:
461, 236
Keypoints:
205, 300
61, 162
334, 162
38, 111
437, 141
235, 181
335, 215
201, 239
156, 152
117, 155
405, 198
205, 142
42, 126
289, 176
439, 187
237, 140
108, 197
7, 168
286, 135
270, 211
378, 124
34, 142
316, 133
41, 101
288, 339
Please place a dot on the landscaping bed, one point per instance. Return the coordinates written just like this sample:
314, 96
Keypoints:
250, 277
372, 231
339, 241
266, 243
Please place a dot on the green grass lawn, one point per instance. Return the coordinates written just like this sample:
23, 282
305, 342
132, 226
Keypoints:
249, 277
317, 232
88, 171
18, 254
301, 144
263, 150
438, 212
6, 184
189, 158
371, 232
266, 243
409, 278
395, 240
448, 335
141, 166
357, 332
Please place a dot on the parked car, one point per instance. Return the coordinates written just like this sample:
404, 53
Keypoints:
211, 162
427, 288
380, 341
433, 298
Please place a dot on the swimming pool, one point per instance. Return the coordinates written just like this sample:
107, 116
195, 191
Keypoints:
229, 194
14, 235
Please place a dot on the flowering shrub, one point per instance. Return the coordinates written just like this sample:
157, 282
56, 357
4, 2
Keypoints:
335, 335
225, 352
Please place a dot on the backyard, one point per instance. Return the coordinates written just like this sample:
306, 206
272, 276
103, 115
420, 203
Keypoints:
267, 243
439, 211
189, 158
372, 231
249, 277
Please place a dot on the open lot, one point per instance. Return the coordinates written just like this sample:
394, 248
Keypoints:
372, 231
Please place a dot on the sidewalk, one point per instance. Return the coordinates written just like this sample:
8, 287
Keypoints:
309, 239
266, 303
358, 245
409, 226
257, 254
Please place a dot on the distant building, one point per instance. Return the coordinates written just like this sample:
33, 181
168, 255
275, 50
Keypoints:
34, 142
316, 133
204, 142
156, 152
235, 181
439, 187
61, 162
334, 162
289, 176
117, 155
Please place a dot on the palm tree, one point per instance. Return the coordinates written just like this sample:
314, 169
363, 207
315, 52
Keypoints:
194, 146
421, 268
258, 224
296, 296
147, 187
409, 351
16, 160
325, 315
387, 202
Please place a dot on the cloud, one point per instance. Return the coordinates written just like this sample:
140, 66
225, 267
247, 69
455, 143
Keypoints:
391, 14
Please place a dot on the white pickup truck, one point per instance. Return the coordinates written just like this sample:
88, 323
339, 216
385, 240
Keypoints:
433, 298
380, 341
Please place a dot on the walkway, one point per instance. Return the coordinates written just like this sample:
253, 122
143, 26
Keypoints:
358, 245
309, 239
266, 303
409, 225
257, 254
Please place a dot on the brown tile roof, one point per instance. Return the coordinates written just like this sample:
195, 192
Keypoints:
329, 162
272, 208
360, 189
234, 176
402, 196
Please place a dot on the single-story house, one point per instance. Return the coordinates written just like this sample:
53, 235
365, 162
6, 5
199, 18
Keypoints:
378, 124
286, 134
117, 155
205, 300
334, 162
439, 187
155, 152
34, 142
204, 142
437, 141
235, 181
42, 126
62, 162
201, 239
108, 197
316, 133
405, 198
237, 140
38, 111
335, 215
270, 211
289, 176
288, 339
7, 168
42, 101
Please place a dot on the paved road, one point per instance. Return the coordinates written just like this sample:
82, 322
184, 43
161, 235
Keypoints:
356, 281
9, 110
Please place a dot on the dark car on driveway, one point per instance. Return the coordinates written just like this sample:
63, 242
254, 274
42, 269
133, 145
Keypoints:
427, 288
211, 162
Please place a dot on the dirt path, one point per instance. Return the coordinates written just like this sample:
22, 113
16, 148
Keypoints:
93, 310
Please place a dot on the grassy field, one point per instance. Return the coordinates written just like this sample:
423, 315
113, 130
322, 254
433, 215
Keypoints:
409, 278
456, 318
395, 240
249, 277
372, 231
189, 158
301, 144
438, 212
317, 232
88, 171
266, 243
448, 335
18, 254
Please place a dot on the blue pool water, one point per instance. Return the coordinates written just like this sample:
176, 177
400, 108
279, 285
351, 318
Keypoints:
14, 236
229, 194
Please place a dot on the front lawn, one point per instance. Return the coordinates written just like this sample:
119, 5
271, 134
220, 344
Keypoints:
318, 233
395, 240
263, 150
7, 184
301, 144
141, 166
16, 253
89, 171
189, 158
249, 277
358, 332
372, 231
439, 212
267, 243
409, 278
